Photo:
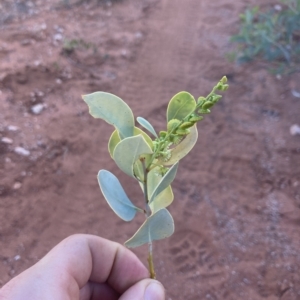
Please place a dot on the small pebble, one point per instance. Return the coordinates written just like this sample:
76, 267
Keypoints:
295, 94
295, 129
26, 42
138, 35
58, 81
58, 37
37, 109
278, 7
17, 185
12, 128
17, 257
22, 151
6, 140
58, 28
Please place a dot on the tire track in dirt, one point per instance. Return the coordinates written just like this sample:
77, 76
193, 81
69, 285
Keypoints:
165, 61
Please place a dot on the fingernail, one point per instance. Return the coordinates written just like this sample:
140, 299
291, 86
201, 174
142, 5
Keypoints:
154, 291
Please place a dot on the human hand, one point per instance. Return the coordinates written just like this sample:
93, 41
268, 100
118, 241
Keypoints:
85, 267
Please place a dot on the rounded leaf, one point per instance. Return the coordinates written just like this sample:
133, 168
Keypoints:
115, 195
146, 124
115, 139
165, 181
156, 227
113, 110
128, 151
181, 105
163, 199
183, 148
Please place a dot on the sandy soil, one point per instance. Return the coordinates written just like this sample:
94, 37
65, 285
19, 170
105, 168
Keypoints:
237, 195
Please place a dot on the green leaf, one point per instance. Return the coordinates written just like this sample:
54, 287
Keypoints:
180, 106
128, 151
156, 227
163, 199
138, 168
115, 139
165, 181
143, 122
183, 148
113, 110
115, 195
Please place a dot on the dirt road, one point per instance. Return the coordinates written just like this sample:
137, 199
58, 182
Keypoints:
237, 195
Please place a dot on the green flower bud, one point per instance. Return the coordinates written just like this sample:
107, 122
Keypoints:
186, 125
175, 139
201, 100
220, 86
216, 98
224, 87
172, 124
204, 111
182, 131
223, 80
162, 134
207, 104
195, 118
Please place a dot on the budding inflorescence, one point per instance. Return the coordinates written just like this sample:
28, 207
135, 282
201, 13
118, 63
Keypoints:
177, 130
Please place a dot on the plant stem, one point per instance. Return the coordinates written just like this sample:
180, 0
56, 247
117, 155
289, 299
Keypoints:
147, 215
150, 262
146, 169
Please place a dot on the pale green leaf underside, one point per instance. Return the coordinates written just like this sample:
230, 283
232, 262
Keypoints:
180, 106
165, 181
143, 122
163, 199
115, 139
128, 151
156, 227
113, 110
183, 148
115, 195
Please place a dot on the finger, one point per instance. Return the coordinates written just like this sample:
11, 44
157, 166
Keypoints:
96, 291
87, 257
147, 289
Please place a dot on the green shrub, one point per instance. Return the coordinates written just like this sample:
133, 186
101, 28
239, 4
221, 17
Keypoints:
273, 36
70, 45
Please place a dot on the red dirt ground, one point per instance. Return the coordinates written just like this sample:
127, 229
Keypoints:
237, 195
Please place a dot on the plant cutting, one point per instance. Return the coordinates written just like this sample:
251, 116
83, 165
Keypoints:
152, 162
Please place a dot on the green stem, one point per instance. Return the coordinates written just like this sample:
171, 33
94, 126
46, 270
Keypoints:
147, 215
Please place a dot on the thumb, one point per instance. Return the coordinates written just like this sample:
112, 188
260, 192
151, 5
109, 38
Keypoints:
147, 289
